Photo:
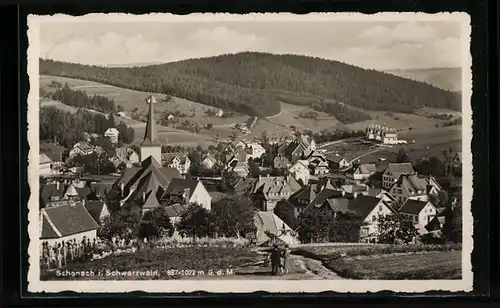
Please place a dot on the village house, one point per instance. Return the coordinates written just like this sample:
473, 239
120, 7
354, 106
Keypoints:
369, 209
241, 157
255, 150
82, 148
269, 190
179, 161
294, 151
170, 117
363, 172
241, 169
185, 192
419, 212
97, 209
125, 155
280, 162
381, 133
457, 160
123, 114
392, 173
67, 222
303, 197
300, 171
414, 186
45, 167
208, 161
219, 113
328, 200
336, 162
62, 191
270, 229
309, 144
54, 152
112, 134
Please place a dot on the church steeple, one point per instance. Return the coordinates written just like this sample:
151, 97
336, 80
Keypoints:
151, 134
151, 145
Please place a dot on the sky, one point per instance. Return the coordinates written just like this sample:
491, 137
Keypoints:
379, 45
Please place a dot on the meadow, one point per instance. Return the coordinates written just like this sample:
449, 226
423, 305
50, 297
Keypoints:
389, 261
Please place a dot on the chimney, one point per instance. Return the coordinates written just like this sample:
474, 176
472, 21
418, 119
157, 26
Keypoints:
144, 197
57, 184
122, 188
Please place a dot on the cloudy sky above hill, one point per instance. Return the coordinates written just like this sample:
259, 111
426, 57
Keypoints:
369, 44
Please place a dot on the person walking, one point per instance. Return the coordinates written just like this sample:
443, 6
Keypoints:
285, 255
275, 260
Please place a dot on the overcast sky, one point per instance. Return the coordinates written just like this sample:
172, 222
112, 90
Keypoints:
369, 44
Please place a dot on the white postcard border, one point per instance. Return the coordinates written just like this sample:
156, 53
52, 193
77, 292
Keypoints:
246, 286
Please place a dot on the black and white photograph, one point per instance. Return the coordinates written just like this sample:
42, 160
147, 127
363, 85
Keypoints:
242, 153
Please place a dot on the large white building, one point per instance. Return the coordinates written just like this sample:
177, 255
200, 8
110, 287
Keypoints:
381, 133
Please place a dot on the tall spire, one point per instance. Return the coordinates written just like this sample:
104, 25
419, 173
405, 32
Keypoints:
151, 134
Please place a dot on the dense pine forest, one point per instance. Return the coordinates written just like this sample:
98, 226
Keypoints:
254, 83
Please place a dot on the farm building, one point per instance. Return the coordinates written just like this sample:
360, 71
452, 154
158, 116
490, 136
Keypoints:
381, 133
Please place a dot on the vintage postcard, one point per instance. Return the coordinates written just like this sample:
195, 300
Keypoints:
242, 153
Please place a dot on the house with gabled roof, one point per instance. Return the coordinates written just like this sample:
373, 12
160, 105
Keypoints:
209, 161
363, 172
294, 151
303, 197
369, 209
97, 209
185, 192
281, 162
269, 190
112, 134
336, 161
300, 171
67, 222
179, 161
329, 200
420, 213
82, 148
392, 173
45, 166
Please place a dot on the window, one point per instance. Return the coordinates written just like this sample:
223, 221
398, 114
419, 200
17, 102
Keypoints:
415, 218
374, 218
380, 208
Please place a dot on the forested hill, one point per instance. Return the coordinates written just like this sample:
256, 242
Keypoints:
254, 83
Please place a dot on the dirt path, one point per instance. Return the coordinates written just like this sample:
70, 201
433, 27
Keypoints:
302, 268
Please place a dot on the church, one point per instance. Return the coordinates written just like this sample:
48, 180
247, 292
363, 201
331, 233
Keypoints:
144, 188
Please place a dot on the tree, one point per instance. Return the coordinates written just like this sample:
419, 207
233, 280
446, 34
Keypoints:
395, 228
162, 220
234, 216
254, 168
286, 212
116, 224
402, 157
195, 222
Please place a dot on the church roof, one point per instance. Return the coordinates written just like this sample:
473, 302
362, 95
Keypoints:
151, 135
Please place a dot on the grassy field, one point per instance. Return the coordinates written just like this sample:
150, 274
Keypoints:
275, 126
162, 261
389, 261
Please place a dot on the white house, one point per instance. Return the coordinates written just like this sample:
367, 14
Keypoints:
178, 161
370, 209
420, 212
170, 117
364, 171
219, 113
67, 222
300, 171
45, 168
81, 148
337, 162
256, 150
393, 172
209, 162
112, 134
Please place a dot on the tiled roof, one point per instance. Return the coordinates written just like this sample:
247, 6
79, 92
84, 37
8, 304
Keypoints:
169, 157
363, 205
276, 184
400, 168
47, 230
178, 186
324, 197
175, 210
44, 159
70, 219
413, 206
151, 201
413, 183
52, 150
268, 222
95, 208
334, 158
366, 169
